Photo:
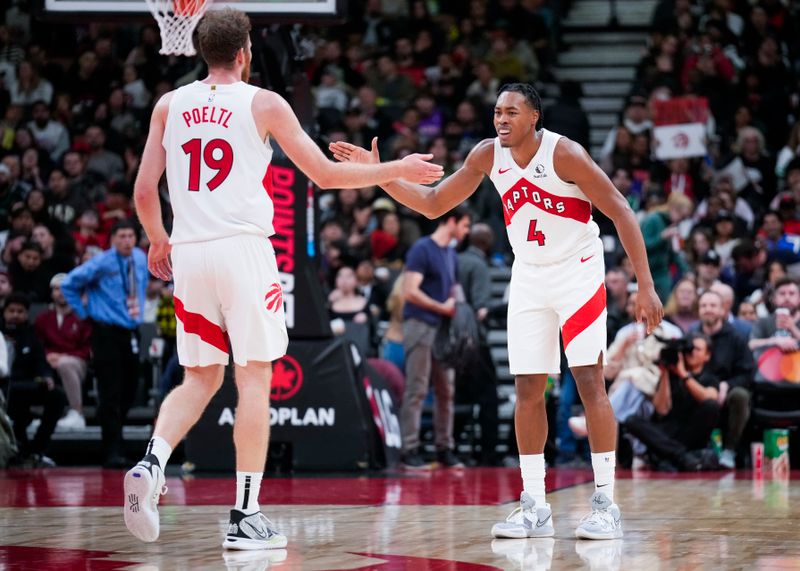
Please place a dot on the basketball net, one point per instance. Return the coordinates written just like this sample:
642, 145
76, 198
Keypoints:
177, 20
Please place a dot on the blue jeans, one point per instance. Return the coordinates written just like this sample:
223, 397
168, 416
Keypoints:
567, 445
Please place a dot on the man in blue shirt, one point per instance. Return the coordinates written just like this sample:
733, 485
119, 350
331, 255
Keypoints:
428, 288
114, 284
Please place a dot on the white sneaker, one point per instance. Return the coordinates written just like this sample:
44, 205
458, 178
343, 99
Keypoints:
602, 555
577, 424
532, 555
144, 485
727, 459
72, 421
604, 522
254, 531
527, 520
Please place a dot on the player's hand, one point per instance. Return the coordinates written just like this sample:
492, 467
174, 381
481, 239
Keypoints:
417, 169
346, 152
648, 308
158, 261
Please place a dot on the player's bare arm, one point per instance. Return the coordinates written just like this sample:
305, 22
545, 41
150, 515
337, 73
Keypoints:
275, 117
432, 202
573, 164
145, 193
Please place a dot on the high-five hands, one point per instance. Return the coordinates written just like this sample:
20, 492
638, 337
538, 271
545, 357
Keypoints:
416, 167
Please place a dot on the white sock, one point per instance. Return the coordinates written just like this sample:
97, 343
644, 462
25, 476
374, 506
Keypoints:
603, 465
532, 468
248, 485
161, 449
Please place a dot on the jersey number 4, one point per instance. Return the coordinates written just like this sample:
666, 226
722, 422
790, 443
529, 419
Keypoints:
535, 235
220, 163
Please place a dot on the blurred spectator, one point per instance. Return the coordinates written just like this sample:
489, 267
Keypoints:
681, 306
725, 293
780, 328
87, 233
63, 204
567, 117
152, 299
27, 274
105, 163
29, 383
66, 342
478, 385
661, 236
732, 363
708, 271
114, 284
393, 338
429, 282
617, 282
749, 268
50, 135
779, 245
28, 87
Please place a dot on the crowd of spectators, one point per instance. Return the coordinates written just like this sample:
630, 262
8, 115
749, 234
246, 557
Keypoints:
421, 76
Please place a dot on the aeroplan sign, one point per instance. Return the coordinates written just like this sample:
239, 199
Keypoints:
289, 416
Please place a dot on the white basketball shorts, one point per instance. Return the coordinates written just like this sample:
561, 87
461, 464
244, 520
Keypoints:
228, 290
568, 296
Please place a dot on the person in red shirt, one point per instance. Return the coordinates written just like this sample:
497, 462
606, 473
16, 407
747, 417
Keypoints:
66, 341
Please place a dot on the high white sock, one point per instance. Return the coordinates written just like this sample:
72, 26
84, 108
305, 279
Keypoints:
248, 485
603, 465
161, 449
532, 468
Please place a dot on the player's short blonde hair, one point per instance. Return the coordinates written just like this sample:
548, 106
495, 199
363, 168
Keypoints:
221, 34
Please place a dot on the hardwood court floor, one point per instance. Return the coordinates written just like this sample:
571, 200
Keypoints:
65, 519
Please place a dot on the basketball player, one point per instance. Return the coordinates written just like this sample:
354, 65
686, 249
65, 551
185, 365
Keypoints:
547, 184
213, 138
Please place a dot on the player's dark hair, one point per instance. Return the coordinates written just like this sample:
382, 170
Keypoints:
531, 96
221, 34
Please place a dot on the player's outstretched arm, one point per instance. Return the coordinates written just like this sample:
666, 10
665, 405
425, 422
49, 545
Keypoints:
431, 202
573, 164
275, 117
145, 193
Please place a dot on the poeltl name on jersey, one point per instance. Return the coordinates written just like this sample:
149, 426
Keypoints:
207, 114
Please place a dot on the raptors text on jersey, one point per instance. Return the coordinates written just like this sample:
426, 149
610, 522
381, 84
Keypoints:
547, 219
216, 164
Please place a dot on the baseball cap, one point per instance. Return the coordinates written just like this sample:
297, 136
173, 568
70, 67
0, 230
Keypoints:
711, 258
384, 204
57, 279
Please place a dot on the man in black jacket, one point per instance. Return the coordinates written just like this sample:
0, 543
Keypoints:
480, 382
732, 363
30, 383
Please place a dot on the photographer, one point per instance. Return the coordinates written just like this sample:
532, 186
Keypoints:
685, 403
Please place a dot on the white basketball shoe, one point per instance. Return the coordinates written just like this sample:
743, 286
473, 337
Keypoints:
144, 485
527, 520
604, 521
254, 531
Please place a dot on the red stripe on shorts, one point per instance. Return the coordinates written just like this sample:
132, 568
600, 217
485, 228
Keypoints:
195, 323
585, 316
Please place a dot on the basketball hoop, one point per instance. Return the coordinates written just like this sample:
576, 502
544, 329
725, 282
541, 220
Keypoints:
177, 20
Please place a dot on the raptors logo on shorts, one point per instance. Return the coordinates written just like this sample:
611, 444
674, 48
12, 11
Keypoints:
274, 297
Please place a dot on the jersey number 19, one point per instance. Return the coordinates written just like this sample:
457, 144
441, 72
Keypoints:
210, 155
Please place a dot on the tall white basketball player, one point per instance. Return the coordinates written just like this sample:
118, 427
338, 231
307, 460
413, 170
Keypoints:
213, 138
547, 184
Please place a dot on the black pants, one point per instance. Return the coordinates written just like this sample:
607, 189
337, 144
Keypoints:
478, 385
673, 438
117, 369
22, 395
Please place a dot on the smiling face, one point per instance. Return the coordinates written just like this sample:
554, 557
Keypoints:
514, 118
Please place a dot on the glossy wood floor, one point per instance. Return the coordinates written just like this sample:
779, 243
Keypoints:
65, 519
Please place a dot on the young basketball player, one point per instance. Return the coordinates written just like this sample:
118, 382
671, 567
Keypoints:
212, 136
547, 184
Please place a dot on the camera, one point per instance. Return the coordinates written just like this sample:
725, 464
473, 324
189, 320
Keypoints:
668, 356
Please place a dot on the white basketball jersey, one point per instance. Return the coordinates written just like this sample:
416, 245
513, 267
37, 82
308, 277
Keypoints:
216, 164
547, 219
